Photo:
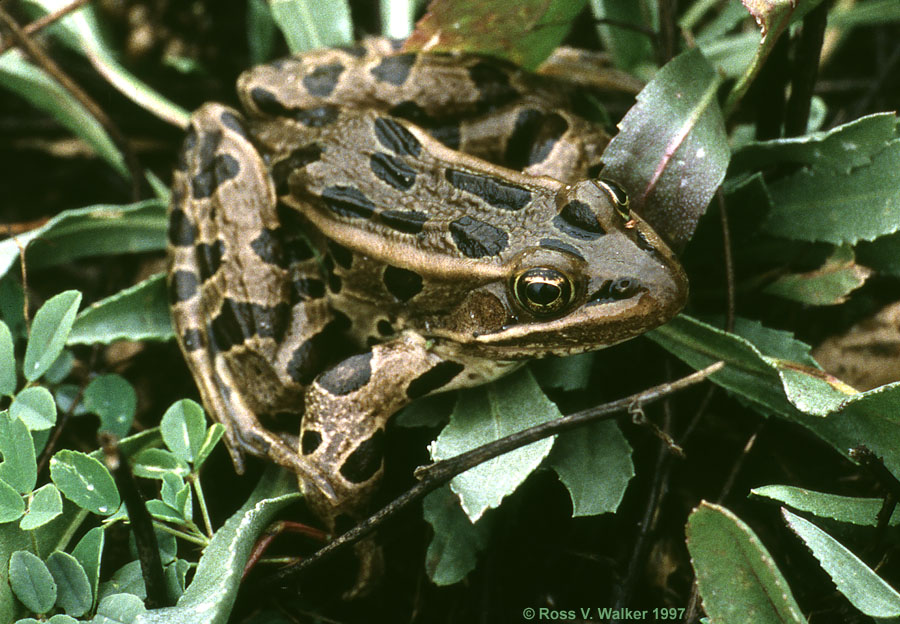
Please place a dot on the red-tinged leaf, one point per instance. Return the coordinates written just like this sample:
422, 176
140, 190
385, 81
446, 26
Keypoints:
525, 32
671, 152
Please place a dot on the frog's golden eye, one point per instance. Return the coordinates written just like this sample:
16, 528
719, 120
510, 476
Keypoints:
543, 291
619, 197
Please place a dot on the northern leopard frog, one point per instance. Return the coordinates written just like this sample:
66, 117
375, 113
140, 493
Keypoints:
381, 226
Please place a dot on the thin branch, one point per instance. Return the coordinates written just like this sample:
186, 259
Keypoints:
805, 70
434, 476
42, 22
46, 63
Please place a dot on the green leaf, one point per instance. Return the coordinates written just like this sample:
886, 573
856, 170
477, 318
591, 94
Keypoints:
31, 581
311, 24
166, 513
736, 576
671, 152
630, 48
209, 597
862, 587
7, 362
859, 511
594, 463
11, 504
60, 368
881, 254
42, 91
61, 618
833, 207
49, 331
74, 590
113, 399
157, 463
525, 36
183, 429
84, 481
177, 494
830, 284
488, 413
19, 466
119, 609
453, 551
88, 551
128, 579
91, 231
568, 373
213, 434
261, 31
140, 312
45, 505
35, 407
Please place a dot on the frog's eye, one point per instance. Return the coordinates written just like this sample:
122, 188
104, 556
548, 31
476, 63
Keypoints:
543, 291
619, 197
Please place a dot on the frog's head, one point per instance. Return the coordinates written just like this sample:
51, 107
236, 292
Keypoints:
592, 275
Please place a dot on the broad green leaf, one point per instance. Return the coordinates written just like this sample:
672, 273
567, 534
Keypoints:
867, 591
833, 207
113, 399
453, 551
42, 91
176, 577
429, 411
166, 513
183, 429
311, 24
31, 581
140, 312
88, 551
7, 362
839, 149
91, 231
82, 33
872, 12
61, 618
156, 463
261, 31
594, 463
860, 511
11, 504
830, 284
84, 481
736, 576
19, 466
526, 36
126, 580
671, 151
49, 331
45, 505
630, 47
209, 597
568, 373
488, 413
177, 494
119, 609
881, 254
732, 54
60, 368
73, 588
213, 434
35, 407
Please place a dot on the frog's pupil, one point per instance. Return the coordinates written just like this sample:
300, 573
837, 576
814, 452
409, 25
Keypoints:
542, 293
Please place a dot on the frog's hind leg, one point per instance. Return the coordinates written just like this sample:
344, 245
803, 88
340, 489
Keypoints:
230, 295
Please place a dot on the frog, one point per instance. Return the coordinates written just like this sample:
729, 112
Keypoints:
375, 226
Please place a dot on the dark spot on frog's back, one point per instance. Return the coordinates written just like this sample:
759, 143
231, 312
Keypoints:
434, 378
233, 123
348, 376
268, 104
209, 258
402, 283
182, 233
492, 82
533, 137
406, 221
347, 201
221, 169
364, 462
312, 355
496, 192
477, 239
310, 441
322, 80
394, 136
394, 69
392, 171
307, 288
239, 320
267, 246
299, 158
182, 286
578, 221
192, 340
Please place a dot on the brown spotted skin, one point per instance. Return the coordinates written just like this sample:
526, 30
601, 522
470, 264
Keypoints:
379, 227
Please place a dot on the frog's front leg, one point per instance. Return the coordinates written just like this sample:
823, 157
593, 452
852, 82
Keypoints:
231, 289
347, 408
